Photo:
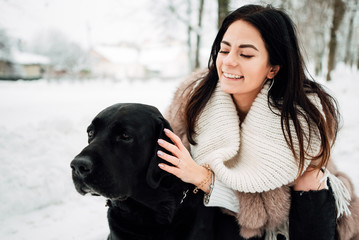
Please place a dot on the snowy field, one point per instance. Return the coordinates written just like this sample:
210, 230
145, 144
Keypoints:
43, 126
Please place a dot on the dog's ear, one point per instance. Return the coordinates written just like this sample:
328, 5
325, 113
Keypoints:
154, 173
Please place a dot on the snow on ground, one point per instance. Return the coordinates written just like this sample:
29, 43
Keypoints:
43, 126
345, 88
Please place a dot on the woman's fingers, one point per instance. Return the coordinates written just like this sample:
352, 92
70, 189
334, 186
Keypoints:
175, 139
173, 170
169, 147
169, 158
184, 167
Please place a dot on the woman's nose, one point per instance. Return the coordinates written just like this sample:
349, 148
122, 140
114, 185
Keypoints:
230, 60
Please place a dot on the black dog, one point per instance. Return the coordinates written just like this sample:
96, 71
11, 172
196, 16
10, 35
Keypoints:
121, 164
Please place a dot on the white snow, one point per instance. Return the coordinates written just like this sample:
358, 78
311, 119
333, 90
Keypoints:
42, 127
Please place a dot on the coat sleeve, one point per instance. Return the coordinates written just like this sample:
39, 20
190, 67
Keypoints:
312, 215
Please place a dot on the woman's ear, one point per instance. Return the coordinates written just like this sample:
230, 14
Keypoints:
273, 71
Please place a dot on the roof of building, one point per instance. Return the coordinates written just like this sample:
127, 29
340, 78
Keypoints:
26, 58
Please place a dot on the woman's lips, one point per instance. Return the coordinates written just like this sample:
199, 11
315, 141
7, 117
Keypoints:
232, 76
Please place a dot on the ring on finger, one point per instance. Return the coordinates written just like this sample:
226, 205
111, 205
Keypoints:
179, 162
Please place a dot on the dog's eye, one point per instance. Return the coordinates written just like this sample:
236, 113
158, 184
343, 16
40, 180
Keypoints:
91, 133
123, 136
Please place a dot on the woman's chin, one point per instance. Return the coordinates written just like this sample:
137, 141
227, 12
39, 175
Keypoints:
230, 88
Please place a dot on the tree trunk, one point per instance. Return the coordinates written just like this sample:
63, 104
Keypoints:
318, 66
339, 10
223, 10
349, 53
189, 36
198, 46
348, 59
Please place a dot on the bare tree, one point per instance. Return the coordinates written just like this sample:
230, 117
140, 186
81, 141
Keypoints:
349, 56
312, 19
339, 11
322, 31
189, 33
192, 29
223, 10
198, 43
315, 36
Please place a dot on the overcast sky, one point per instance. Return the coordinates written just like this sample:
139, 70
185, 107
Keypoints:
99, 21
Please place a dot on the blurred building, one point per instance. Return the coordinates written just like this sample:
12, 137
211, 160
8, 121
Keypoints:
22, 65
166, 61
117, 62
133, 62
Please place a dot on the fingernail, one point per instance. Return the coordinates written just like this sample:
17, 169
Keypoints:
160, 153
166, 130
160, 141
161, 165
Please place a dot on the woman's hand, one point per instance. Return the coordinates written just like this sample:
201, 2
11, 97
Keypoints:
184, 167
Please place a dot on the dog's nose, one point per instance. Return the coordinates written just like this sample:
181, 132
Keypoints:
82, 166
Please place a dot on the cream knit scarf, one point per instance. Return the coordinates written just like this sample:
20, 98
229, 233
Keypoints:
252, 156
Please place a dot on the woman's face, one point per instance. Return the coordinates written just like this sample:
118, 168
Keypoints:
242, 62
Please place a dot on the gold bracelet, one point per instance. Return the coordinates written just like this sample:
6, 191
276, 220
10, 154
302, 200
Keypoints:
210, 189
205, 180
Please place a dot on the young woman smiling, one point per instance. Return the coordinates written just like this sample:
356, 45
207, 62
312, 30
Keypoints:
255, 134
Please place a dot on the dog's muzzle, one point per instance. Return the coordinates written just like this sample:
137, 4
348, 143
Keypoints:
81, 167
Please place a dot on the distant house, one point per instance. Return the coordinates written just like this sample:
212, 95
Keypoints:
6, 68
116, 62
165, 60
128, 62
23, 65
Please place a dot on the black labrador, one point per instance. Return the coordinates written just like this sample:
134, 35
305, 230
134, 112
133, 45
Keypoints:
120, 163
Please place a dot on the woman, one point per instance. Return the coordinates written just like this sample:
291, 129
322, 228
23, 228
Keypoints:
260, 134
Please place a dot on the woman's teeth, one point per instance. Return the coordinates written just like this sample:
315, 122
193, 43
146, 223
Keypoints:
228, 75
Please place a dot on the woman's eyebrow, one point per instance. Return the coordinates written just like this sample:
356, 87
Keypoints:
248, 46
241, 46
226, 43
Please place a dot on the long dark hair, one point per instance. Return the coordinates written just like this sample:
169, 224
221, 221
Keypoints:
289, 92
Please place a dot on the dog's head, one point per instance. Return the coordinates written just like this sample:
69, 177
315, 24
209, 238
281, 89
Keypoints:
121, 160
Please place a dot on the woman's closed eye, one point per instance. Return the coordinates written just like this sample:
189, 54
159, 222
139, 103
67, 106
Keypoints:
246, 56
